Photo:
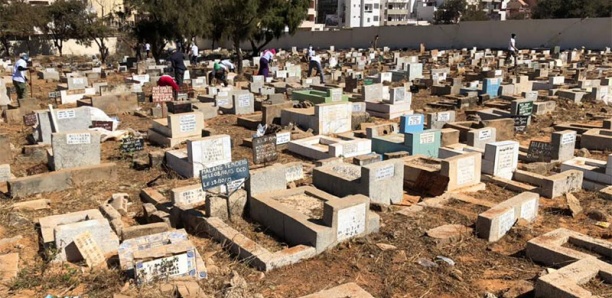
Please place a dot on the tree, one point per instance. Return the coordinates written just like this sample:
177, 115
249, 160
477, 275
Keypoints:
256, 21
474, 13
557, 9
97, 30
450, 12
64, 20
18, 20
276, 18
163, 21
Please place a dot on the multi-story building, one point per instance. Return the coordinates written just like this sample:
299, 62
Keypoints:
100, 7
495, 9
362, 13
397, 12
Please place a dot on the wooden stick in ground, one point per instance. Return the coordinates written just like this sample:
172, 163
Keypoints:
55, 128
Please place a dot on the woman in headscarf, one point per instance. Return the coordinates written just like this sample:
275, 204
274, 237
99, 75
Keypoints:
264, 61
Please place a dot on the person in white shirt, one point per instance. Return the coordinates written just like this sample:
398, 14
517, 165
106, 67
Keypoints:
148, 49
19, 77
194, 53
315, 62
512, 50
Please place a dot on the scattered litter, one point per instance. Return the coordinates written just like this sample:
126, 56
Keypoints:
445, 259
426, 263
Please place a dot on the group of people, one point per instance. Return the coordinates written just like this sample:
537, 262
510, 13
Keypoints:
220, 69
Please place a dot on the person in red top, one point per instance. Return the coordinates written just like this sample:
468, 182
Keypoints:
167, 80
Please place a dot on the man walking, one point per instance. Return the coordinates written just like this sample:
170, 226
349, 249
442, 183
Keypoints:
315, 62
177, 59
512, 50
19, 77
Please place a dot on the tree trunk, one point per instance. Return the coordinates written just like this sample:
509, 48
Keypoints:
257, 48
6, 44
59, 46
238, 53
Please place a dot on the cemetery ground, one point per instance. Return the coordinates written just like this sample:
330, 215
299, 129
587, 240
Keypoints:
395, 262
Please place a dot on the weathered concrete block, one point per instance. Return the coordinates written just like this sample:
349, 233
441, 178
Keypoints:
494, 223
566, 282
144, 230
548, 248
346, 290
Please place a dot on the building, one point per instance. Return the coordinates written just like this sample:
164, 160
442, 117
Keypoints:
362, 13
397, 12
100, 7
495, 9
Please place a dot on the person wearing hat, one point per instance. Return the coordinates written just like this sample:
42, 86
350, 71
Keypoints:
220, 71
19, 77
177, 59
264, 62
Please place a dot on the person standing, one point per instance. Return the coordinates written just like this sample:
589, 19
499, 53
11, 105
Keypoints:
194, 53
19, 76
148, 49
138, 49
315, 62
512, 50
177, 59
264, 62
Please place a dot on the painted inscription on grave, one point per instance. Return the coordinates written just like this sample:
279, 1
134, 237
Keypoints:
78, 138
162, 93
529, 209
485, 134
568, 138
385, 172
224, 174
187, 123
89, 249
465, 170
505, 157
541, 151
264, 149
351, 222
66, 114
414, 120
444, 116
525, 108
506, 221
244, 100
427, 138
162, 268
283, 138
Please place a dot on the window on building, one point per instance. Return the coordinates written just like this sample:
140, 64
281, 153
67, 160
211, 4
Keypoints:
376, 6
367, 7
375, 18
368, 20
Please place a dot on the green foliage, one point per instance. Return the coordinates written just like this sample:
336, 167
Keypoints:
163, 21
257, 21
64, 21
18, 20
450, 12
474, 13
557, 9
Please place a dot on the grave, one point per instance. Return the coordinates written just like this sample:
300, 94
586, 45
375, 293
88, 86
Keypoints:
500, 159
142, 257
74, 149
550, 249
61, 230
323, 119
322, 147
199, 154
308, 216
380, 181
597, 174
412, 138
176, 129
494, 223
567, 281
319, 95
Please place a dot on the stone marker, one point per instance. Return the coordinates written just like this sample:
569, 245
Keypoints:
449, 233
75, 149
89, 249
